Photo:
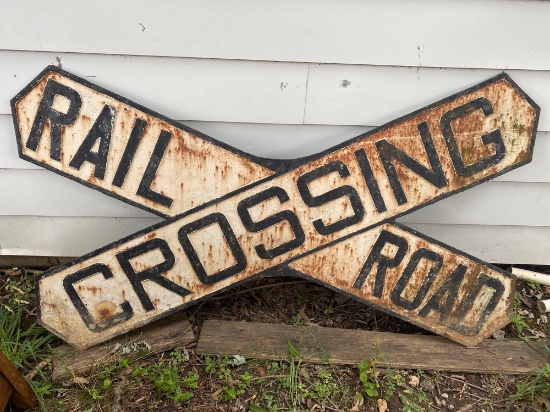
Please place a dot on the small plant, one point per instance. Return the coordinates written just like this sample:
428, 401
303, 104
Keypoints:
297, 320
324, 386
166, 381
191, 380
22, 340
295, 360
411, 398
518, 322
394, 379
368, 375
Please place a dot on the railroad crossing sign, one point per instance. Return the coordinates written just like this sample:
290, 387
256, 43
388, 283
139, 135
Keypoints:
232, 216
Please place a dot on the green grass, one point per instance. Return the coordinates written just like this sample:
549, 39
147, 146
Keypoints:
538, 384
22, 340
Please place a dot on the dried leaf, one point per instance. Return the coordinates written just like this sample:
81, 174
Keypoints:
382, 405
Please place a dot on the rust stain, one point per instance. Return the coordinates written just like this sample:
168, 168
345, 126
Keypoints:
207, 171
105, 310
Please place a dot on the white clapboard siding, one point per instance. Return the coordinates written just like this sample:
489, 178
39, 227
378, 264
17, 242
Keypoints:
75, 236
284, 142
497, 244
265, 92
194, 89
63, 236
453, 33
373, 95
41, 192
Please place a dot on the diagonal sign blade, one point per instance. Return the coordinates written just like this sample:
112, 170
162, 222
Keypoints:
393, 157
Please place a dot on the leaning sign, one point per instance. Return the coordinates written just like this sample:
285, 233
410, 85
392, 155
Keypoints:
232, 216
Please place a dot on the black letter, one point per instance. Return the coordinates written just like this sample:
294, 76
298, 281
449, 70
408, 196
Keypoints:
483, 281
144, 188
370, 180
450, 287
230, 238
388, 152
333, 194
129, 152
57, 119
287, 215
494, 138
384, 262
93, 325
101, 129
437, 262
153, 273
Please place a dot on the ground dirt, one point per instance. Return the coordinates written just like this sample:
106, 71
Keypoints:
228, 384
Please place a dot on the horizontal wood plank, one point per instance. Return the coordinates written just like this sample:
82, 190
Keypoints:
76, 236
370, 95
492, 203
172, 332
63, 236
494, 34
194, 89
343, 346
265, 92
43, 193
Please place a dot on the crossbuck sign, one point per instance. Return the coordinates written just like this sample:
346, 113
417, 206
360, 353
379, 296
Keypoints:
231, 216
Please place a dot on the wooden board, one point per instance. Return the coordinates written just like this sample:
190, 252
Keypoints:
22, 396
374, 95
496, 34
5, 392
194, 89
342, 346
41, 192
164, 335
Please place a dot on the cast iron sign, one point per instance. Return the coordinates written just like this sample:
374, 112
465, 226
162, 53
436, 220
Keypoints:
232, 216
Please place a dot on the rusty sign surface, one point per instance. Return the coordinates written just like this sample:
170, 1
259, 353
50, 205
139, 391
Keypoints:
328, 217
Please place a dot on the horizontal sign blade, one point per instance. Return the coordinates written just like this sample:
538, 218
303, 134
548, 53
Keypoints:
409, 163
409, 275
124, 150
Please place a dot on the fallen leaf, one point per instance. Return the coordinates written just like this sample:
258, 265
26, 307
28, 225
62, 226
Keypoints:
80, 381
414, 381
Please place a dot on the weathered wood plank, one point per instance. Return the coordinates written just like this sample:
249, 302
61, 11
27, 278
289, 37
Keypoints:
194, 89
22, 396
374, 95
166, 334
265, 92
342, 346
5, 392
64, 236
496, 34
